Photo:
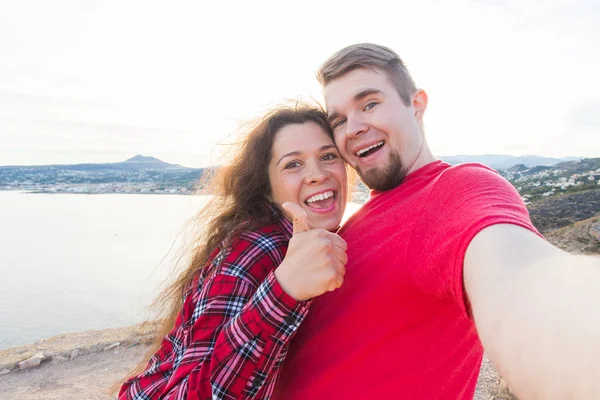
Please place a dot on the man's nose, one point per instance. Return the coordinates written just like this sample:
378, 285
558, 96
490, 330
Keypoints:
355, 126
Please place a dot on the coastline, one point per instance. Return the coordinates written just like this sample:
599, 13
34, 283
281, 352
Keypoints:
67, 347
200, 192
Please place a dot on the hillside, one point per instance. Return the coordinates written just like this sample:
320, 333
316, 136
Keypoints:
563, 201
558, 211
580, 237
539, 182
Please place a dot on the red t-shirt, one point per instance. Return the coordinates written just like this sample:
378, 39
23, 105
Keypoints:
399, 327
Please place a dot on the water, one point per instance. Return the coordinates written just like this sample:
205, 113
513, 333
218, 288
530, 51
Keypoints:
78, 262
71, 263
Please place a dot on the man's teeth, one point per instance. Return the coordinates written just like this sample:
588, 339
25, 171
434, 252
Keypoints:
320, 196
363, 151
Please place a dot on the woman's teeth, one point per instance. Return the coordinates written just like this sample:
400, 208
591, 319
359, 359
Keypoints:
319, 197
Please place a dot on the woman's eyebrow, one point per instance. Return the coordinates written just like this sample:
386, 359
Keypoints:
292, 153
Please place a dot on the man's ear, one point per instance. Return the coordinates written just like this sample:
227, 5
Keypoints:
419, 103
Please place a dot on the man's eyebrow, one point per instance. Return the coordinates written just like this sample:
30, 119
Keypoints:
364, 93
327, 147
357, 97
331, 117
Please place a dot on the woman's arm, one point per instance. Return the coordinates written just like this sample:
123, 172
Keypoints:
238, 329
237, 340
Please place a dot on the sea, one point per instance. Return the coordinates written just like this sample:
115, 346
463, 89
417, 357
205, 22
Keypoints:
76, 262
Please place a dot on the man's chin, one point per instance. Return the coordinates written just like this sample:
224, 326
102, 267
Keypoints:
384, 178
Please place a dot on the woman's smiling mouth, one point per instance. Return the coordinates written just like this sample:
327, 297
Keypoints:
322, 202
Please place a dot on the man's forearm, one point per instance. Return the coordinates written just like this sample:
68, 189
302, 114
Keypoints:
536, 312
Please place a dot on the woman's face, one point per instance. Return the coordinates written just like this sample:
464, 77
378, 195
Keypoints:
307, 169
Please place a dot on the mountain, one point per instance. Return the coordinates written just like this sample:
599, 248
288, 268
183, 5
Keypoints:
144, 162
139, 174
499, 161
133, 163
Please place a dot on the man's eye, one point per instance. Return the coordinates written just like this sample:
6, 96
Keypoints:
370, 105
292, 164
338, 123
329, 156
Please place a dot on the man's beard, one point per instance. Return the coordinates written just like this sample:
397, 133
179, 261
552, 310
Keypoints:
382, 179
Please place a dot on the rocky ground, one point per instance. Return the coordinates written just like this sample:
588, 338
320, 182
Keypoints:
86, 377
581, 237
84, 365
72, 366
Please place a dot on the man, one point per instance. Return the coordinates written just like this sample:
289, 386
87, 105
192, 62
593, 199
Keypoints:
439, 258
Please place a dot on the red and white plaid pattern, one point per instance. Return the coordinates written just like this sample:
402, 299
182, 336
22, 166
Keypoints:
232, 334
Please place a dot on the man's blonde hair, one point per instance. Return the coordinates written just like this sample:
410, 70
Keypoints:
373, 56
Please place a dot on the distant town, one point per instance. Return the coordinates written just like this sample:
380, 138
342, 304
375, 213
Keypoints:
540, 182
149, 175
139, 174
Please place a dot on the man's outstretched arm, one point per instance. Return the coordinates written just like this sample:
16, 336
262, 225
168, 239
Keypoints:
536, 309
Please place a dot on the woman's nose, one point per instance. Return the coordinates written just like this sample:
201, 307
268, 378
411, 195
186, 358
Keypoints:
316, 174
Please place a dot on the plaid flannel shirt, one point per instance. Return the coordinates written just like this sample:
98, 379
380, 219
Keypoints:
233, 332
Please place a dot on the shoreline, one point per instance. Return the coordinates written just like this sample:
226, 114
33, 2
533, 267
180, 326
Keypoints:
37, 191
68, 346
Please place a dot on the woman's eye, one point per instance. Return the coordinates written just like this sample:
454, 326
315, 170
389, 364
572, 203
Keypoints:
292, 164
370, 105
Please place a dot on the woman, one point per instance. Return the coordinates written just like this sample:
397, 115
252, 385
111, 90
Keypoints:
233, 311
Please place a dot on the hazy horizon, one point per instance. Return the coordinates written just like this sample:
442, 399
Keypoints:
152, 156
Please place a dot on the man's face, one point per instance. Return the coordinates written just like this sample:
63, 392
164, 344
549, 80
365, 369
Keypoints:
374, 130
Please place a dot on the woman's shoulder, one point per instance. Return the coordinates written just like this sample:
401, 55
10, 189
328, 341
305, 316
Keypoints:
268, 239
252, 253
274, 232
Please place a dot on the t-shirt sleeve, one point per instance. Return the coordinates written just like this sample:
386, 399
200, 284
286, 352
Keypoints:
466, 199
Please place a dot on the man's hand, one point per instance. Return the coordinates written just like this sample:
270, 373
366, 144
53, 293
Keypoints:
315, 260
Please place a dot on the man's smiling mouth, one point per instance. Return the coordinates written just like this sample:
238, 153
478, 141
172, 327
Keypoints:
369, 149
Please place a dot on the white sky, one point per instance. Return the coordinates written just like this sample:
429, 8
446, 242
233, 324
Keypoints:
101, 81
